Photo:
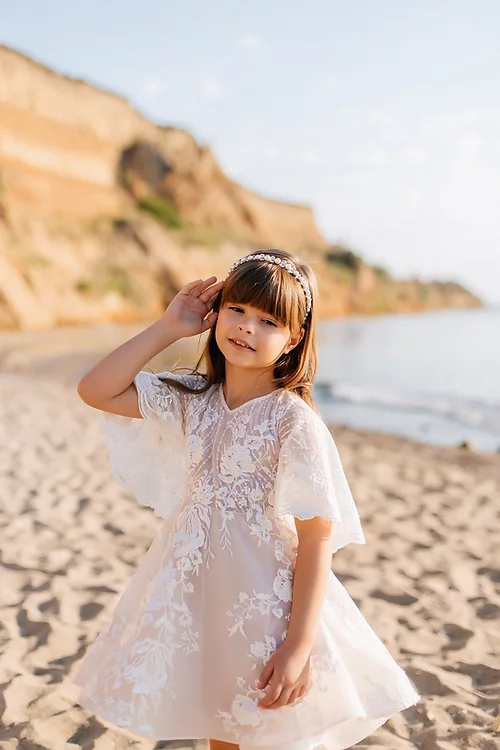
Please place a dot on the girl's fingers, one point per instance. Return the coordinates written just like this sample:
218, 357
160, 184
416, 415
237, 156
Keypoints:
195, 288
214, 287
210, 294
266, 675
277, 697
209, 322
188, 288
205, 284
286, 697
273, 692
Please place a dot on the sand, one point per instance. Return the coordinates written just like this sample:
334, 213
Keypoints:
428, 579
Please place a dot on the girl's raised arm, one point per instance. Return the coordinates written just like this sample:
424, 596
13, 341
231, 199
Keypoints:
109, 385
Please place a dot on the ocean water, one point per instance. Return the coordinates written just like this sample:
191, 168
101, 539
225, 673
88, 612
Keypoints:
433, 377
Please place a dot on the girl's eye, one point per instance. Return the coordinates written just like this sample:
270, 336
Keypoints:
267, 321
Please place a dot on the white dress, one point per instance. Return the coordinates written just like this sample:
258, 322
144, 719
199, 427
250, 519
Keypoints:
211, 601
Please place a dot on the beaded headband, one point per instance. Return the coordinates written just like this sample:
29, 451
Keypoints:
284, 264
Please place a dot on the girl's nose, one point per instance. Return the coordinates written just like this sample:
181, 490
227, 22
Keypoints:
245, 325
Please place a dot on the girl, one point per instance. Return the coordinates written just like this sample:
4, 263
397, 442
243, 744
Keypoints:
207, 641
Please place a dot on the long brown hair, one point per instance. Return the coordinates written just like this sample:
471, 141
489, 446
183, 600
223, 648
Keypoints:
274, 290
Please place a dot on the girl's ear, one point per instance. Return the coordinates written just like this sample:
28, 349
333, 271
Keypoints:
294, 341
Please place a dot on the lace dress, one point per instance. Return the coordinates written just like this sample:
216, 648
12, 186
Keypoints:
211, 600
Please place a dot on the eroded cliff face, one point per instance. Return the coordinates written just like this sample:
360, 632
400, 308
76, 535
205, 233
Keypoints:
61, 145
74, 246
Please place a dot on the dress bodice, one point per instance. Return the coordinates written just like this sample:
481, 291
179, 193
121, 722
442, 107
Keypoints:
272, 455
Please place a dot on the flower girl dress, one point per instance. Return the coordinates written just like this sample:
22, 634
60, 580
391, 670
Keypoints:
211, 600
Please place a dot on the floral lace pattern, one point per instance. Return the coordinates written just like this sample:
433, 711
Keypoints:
211, 601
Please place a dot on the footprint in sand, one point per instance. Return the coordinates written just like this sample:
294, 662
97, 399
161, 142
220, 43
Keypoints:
458, 636
394, 596
90, 610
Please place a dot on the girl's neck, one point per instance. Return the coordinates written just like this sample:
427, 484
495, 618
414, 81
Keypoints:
242, 384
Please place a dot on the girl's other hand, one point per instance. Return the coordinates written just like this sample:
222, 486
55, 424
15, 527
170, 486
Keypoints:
189, 312
286, 676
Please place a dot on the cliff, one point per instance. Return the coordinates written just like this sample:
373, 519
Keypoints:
104, 214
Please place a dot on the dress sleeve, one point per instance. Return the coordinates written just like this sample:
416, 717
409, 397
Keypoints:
310, 479
148, 456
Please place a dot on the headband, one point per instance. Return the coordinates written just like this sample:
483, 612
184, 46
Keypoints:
283, 264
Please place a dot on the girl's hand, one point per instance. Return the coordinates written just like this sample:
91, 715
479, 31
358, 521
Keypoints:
188, 311
287, 675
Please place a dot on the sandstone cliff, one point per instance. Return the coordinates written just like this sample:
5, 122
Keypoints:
104, 215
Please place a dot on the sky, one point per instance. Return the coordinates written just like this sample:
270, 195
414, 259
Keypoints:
382, 115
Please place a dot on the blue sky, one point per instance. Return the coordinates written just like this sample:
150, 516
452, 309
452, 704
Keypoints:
383, 115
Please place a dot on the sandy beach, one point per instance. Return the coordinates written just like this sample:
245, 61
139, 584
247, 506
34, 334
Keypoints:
428, 579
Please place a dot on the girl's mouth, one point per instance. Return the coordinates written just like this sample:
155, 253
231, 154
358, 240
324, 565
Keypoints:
242, 345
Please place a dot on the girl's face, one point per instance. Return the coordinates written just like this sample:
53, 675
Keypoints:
251, 338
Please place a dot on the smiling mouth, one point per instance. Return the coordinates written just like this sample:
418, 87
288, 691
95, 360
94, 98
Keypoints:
239, 344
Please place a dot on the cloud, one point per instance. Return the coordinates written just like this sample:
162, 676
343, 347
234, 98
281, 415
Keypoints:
413, 198
269, 151
375, 158
470, 135
467, 144
249, 41
334, 82
212, 88
311, 156
414, 155
380, 117
446, 124
155, 88
337, 180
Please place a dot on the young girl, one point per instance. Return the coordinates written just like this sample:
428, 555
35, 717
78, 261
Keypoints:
234, 628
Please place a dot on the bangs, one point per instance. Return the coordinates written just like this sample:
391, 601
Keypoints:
269, 288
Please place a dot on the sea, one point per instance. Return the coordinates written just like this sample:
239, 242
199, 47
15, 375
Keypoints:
432, 377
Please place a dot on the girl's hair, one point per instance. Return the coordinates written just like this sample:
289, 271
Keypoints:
274, 290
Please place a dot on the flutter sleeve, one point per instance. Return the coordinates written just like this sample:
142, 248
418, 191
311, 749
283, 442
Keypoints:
310, 479
148, 456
